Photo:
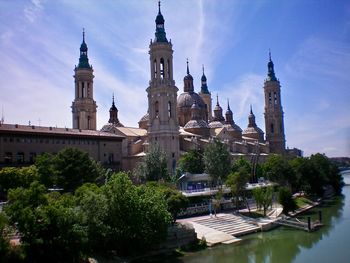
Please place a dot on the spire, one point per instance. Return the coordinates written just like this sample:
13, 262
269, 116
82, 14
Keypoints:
204, 86
218, 111
113, 105
228, 114
188, 80
188, 71
83, 59
160, 31
113, 113
251, 118
270, 69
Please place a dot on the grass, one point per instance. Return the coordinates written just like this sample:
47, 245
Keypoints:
302, 201
253, 214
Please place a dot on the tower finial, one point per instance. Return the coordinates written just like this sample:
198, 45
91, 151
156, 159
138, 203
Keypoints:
113, 98
83, 34
188, 71
203, 68
159, 7
228, 104
270, 54
251, 109
217, 99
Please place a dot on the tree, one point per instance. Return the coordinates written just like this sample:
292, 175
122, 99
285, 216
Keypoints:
285, 198
263, 197
11, 177
50, 226
92, 204
315, 173
277, 169
328, 173
176, 201
192, 162
217, 161
69, 169
237, 182
136, 215
154, 165
4, 241
241, 163
336, 179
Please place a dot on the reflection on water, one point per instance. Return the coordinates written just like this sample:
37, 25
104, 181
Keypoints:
346, 176
328, 244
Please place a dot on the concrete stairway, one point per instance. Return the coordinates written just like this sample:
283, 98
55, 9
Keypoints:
230, 224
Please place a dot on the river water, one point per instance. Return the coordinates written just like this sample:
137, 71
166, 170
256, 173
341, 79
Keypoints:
331, 243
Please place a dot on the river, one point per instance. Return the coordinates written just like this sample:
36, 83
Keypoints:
331, 243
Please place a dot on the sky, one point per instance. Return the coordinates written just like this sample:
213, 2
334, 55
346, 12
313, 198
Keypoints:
309, 42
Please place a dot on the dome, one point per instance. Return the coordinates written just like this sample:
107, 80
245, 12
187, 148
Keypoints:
215, 124
217, 108
186, 100
143, 122
110, 127
196, 124
233, 127
145, 117
188, 77
253, 132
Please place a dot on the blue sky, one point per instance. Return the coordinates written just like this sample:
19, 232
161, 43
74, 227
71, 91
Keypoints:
309, 41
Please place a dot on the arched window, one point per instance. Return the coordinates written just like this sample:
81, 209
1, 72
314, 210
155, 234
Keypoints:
155, 68
83, 89
156, 109
169, 109
275, 98
89, 123
168, 69
270, 98
272, 128
161, 68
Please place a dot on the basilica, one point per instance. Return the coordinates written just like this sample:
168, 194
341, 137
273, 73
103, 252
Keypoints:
176, 122
180, 122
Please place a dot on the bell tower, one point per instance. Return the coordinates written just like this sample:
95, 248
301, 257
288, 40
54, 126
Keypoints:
274, 124
84, 107
162, 96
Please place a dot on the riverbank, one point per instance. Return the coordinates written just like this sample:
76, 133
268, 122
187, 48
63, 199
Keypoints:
328, 244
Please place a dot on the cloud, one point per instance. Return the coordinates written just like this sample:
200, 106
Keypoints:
32, 10
317, 120
245, 91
